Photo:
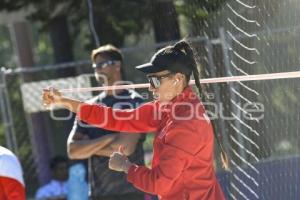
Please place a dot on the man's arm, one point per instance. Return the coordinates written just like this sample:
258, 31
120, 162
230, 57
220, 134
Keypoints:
81, 147
127, 140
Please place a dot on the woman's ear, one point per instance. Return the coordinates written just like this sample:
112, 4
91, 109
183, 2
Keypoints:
176, 81
179, 77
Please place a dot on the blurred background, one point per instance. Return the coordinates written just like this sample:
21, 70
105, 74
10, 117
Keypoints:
45, 42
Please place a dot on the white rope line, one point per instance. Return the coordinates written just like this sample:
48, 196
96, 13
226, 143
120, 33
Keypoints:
237, 68
237, 105
245, 173
241, 44
245, 124
244, 98
237, 189
236, 177
244, 59
248, 88
241, 30
242, 147
244, 4
241, 16
271, 76
244, 161
244, 136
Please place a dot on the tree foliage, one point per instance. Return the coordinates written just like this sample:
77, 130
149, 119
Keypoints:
113, 19
198, 12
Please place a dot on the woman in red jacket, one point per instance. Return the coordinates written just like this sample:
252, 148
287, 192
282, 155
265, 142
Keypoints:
182, 166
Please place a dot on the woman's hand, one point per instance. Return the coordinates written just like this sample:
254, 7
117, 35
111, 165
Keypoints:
51, 96
119, 162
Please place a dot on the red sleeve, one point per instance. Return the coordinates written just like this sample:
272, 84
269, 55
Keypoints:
159, 179
141, 119
11, 189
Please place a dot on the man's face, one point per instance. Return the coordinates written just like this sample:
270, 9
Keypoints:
107, 71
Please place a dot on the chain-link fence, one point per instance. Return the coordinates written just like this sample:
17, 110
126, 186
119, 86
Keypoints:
260, 37
253, 144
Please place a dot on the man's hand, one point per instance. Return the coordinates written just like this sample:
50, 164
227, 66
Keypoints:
119, 162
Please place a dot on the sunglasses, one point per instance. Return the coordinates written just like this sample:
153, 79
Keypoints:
155, 81
104, 64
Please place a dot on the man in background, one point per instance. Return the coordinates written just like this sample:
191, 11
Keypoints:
95, 144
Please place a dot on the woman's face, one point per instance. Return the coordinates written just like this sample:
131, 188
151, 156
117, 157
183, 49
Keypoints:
170, 85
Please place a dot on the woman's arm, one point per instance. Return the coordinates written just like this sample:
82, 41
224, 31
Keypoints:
141, 119
158, 180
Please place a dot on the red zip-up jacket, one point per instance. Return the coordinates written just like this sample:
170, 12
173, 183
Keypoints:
182, 166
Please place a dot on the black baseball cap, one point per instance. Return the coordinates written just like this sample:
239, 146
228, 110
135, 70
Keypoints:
168, 58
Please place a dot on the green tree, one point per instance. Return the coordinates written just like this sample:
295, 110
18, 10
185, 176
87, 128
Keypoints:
198, 12
114, 19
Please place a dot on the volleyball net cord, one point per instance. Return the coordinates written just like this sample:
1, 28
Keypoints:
230, 79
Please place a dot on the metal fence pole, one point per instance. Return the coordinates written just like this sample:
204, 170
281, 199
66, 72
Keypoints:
216, 88
234, 97
6, 114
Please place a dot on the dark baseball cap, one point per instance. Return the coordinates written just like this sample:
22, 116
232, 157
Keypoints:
168, 58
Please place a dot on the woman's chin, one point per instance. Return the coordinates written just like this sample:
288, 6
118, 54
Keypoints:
162, 101
160, 98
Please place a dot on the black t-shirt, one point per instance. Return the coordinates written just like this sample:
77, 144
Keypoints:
105, 182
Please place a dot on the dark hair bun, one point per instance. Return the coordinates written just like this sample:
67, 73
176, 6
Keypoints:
184, 46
